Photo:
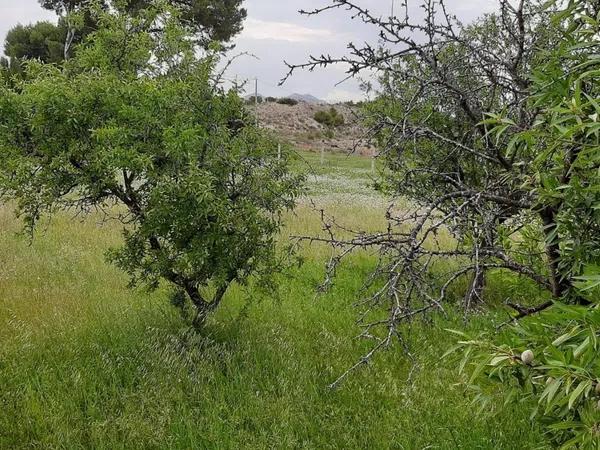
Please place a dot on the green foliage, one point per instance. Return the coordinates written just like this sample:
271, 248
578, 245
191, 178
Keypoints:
47, 42
565, 142
210, 20
10, 70
330, 119
565, 377
287, 101
218, 20
43, 41
135, 120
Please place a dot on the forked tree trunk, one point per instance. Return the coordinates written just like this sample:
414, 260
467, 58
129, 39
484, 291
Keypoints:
205, 308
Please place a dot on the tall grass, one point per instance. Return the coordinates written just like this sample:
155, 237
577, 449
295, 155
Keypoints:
87, 363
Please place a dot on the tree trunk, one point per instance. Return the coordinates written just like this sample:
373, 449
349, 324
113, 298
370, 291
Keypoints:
202, 313
474, 294
560, 285
204, 308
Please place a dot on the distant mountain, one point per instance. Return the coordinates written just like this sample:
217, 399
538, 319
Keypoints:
306, 98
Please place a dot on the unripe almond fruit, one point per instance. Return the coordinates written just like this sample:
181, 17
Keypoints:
597, 388
527, 357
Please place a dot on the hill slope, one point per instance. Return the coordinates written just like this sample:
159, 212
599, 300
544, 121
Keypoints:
296, 124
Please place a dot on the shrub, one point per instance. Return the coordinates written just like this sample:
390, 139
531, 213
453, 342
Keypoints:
330, 118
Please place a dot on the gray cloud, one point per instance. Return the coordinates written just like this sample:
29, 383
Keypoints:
336, 30
275, 32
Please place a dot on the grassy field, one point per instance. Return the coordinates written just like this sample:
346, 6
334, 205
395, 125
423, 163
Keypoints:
87, 363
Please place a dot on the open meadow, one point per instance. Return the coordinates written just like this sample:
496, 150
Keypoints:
234, 224
86, 362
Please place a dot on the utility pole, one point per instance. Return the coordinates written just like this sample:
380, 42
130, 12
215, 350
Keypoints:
393, 1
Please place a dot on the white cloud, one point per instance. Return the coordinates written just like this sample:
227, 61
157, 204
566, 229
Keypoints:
341, 95
282, 31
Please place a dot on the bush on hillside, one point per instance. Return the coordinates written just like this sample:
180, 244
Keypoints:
287, 101
329, 118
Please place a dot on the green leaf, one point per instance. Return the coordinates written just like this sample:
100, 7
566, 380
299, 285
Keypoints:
565, 337
579, 350
551, 390
566, 425
498, 359
578, 391
452, 350
458, 333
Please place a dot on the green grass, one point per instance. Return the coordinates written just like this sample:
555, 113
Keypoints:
350, 164
87, 363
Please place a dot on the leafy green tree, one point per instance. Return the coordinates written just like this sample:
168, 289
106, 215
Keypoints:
210, 21
137, 126
43, 41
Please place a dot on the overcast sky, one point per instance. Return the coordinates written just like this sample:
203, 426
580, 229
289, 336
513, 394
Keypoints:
274, 32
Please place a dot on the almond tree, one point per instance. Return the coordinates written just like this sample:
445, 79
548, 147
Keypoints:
451, 121
137, 127
553, 357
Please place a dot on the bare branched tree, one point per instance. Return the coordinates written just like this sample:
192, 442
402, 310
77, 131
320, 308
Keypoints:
452, 98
